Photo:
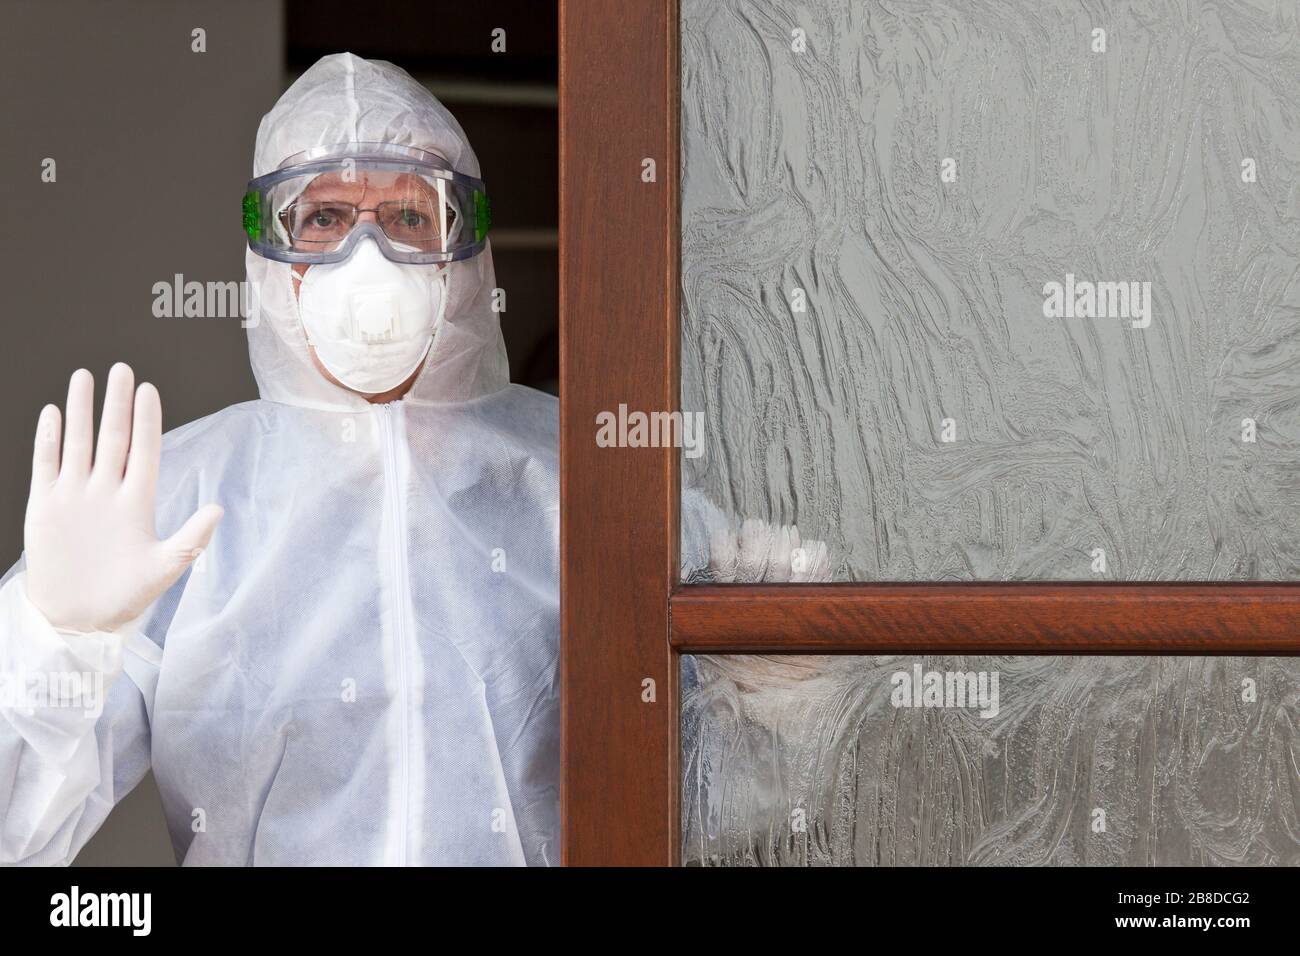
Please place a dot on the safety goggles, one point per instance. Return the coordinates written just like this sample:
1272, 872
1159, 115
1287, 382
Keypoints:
320, 203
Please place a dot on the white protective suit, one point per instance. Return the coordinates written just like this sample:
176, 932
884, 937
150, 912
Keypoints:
362, 667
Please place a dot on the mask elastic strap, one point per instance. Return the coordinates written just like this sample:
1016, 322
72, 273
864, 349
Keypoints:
297, 302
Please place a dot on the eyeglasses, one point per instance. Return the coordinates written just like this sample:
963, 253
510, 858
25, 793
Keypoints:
417, 222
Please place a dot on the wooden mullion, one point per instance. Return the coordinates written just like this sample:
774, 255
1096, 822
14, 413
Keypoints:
1238, 618
618, 345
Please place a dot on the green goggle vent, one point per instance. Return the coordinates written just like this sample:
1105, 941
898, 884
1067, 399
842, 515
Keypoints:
482, 215
253, 216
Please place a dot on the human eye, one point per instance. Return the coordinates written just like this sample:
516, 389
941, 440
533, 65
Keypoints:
413, 218
410, 219
317, 219
330, 215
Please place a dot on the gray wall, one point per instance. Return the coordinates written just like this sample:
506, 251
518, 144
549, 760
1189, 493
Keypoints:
153, 145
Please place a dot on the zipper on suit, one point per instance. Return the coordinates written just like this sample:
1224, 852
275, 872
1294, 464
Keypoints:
392, 426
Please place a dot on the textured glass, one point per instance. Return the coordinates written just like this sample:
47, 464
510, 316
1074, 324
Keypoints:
876, 200
1091, 761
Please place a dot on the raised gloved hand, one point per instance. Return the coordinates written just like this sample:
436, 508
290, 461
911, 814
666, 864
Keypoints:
761, 553
94, 561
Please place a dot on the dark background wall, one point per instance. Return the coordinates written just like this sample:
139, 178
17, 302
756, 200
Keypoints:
153, 144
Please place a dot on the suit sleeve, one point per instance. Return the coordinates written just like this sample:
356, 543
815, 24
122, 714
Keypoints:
74, 727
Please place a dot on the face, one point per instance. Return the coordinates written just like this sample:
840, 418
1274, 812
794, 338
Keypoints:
405, 206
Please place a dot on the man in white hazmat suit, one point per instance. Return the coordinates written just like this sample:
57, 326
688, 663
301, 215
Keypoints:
357, 662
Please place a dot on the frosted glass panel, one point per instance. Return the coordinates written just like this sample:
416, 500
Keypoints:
997, 290
994, 761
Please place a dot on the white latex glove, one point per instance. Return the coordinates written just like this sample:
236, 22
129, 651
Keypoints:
767, 554
94, 561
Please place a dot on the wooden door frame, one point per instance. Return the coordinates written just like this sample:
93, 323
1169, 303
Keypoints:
624, 616
618, 519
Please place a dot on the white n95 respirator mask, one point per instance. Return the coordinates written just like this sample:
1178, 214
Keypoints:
371, 321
